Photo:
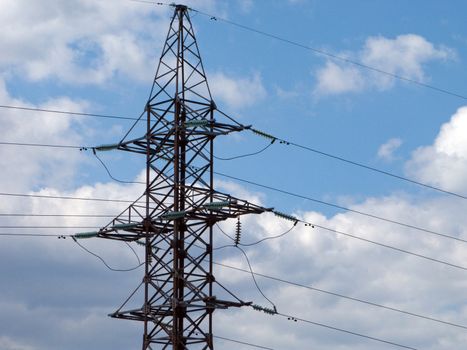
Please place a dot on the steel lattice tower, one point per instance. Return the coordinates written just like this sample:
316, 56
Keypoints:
175, 216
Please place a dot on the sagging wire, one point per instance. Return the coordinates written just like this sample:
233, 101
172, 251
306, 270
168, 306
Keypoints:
274, 308
102, 259
110, 174
134, 252
238, 232
247, 154
270, 237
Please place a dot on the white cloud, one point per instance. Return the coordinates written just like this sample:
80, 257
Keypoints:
77, 41
444, 163
62, 295
404, 55
344, 265
83, 41
335, 79
236, 92
306, 255
386, 150
28, 167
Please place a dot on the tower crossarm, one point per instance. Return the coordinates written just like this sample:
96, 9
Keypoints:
131, 225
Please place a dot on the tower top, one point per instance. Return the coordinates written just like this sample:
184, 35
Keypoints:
179, 7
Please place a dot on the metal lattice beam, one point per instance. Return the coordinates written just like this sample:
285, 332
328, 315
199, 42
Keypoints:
174, 218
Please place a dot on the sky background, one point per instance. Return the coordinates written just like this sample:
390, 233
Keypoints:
100, 56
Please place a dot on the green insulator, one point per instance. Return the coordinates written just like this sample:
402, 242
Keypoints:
266, 310
124, 226
263, 134
196, 122
173, 215
83, 235
109, 147
285, 216
216, 205
141, 243
257, 307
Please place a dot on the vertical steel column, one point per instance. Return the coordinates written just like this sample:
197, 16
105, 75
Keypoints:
175, 217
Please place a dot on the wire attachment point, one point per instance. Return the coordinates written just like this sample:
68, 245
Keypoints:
238, 232
266, 310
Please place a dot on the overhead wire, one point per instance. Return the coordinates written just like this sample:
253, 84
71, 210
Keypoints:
269, 237
110, 174
275, 312
332, 56
320, 226
6, 234
56, 111
242, 342
285, 142
343, 296
45, 227
251, 270
281, 280
245, 155
103, 261
25, 144
334, 328
374, 216
282, 141
57, 215
383, 245
342, 330
258, 241
373, 169
9, 194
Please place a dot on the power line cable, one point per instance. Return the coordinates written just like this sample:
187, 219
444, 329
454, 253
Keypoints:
282, 141
400, 250
383, 245
252, 272
25, 144
238, 341
254, 278
56, 111
6, 234
295, 318
47, 227
134, 252
333, 56
268, 238
110, 174
281, 280
257, 242
361, 335
339, 295
367, 167
102, 259
247, 154
57, 215
64, 197
377, 217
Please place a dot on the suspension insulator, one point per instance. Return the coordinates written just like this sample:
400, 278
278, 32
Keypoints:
238, 232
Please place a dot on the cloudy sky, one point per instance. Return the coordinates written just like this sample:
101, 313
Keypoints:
99, 56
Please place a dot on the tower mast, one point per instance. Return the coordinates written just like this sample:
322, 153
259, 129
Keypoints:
174, 218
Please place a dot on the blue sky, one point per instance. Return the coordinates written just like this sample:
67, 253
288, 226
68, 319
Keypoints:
100, 57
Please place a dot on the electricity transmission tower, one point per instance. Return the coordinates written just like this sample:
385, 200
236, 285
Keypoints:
174, 218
